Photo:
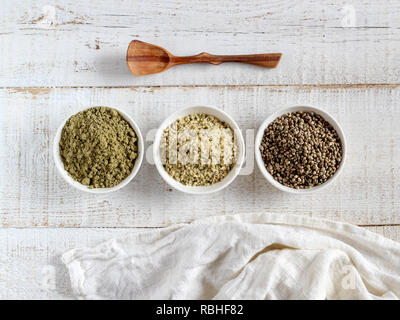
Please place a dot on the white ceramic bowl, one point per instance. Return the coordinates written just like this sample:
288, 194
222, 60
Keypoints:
275, 115
221, 115
76, 184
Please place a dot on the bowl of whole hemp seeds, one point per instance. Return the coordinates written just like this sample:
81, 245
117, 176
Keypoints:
198, 150
300, 149
98, 150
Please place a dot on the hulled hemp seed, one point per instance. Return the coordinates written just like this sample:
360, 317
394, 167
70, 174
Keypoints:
198, 150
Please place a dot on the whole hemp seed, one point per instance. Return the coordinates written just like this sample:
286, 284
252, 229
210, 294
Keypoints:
98, 147
301, 150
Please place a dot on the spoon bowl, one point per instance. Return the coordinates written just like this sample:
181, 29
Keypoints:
145, 58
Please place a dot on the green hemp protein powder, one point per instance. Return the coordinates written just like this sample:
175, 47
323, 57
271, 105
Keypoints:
98, 147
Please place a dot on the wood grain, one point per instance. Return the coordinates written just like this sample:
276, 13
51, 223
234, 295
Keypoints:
33, 194
84, 43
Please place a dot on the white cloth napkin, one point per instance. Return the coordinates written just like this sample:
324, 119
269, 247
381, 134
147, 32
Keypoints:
248, 256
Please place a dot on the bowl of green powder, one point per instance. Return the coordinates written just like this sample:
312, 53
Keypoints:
98, 150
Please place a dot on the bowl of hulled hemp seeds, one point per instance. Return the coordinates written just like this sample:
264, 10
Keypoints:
300, 149
198, 150
98, 150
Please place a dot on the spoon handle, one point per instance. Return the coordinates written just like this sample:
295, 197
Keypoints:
268, 60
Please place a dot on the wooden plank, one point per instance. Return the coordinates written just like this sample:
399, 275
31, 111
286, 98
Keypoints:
391, 232
84, 43
30, 266
33, 194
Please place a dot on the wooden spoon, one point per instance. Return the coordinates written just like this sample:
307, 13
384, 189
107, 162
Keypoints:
145, 58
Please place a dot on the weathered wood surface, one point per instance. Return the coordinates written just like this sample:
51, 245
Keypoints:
83, 43
58, 57
32, 194
30, 266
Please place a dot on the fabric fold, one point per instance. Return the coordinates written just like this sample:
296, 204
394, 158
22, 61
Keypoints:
246, 256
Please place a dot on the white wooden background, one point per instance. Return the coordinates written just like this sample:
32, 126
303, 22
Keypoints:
58, 57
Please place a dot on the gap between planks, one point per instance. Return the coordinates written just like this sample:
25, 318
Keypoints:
377, 225
295, 86
167, 226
